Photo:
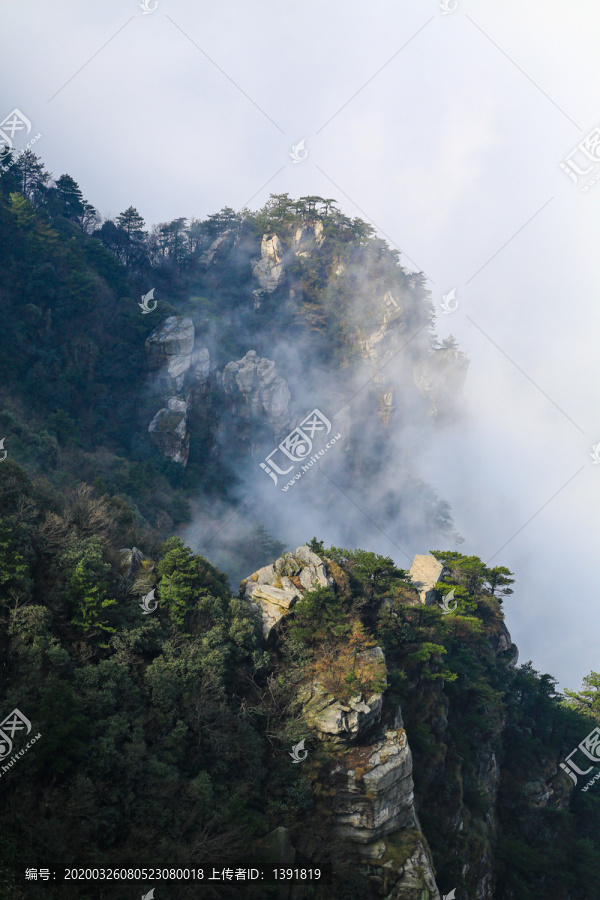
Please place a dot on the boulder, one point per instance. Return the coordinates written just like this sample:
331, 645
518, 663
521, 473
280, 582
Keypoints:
424, 573
169, 349
131, 561
168, 430
306, 556
282, 598
274, 589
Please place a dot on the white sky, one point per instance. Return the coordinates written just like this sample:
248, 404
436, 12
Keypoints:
444, 130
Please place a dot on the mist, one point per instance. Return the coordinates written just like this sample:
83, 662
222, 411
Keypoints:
446, 131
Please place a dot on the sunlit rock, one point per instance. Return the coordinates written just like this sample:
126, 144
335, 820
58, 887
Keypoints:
424, 573
274, 589
268, 270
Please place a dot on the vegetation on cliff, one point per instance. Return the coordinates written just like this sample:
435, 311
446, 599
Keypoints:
165, 738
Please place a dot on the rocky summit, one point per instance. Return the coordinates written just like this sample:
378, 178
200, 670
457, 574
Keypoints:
338, 716
274, 589
368, 773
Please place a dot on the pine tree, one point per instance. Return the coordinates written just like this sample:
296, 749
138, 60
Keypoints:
33, 177
588, 698
132, 224
66, 198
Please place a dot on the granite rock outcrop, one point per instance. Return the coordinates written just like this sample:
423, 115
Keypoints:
424, 573
276, 588
182, 368
256, 392
216, 248
268, 270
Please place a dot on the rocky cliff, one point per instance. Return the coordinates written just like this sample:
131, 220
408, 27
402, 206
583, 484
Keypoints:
368, 776
429, 762
182, 368
253, 393
365, 781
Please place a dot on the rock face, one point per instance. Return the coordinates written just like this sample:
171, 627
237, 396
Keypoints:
369, 779
415, 877
268, 270
257, 391
307, 237
200, 365
440, 379
376, 346
378, 796
251, 387
182, 368
337, 720
424, 573
374, 808
379, 347
502, 643
169, 348
273, 590
172, 349
168, 430
371, 788
217, 246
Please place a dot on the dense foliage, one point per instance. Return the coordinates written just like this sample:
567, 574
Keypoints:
165, 737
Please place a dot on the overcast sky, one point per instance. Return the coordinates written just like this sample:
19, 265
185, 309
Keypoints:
446, 130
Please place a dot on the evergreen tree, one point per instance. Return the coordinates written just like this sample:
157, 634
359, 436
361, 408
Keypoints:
32, 176
588, 697
133, 247
449, 343
132, 224
65, 199
499, 580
